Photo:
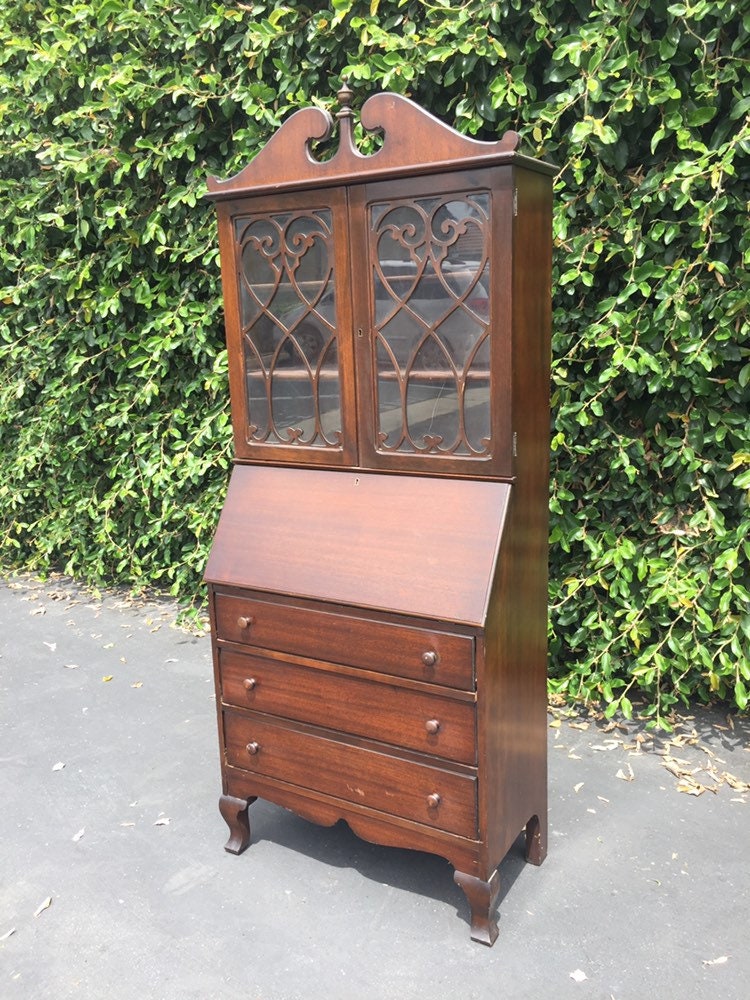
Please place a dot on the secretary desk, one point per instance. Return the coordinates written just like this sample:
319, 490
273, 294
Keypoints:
378, 577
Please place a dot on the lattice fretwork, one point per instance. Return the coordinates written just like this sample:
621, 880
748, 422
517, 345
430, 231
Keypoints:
288, 325
430, 286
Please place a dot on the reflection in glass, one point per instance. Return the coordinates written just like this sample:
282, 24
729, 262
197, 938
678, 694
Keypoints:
430, 284
288, 322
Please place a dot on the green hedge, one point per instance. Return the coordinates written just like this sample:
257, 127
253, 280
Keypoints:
114, 428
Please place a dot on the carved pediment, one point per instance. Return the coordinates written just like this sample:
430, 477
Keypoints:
412, 139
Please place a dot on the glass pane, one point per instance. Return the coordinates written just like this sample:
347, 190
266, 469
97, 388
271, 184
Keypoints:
430, 285
288, 321
433, 413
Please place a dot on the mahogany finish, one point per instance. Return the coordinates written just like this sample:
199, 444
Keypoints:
406, 544
378, 578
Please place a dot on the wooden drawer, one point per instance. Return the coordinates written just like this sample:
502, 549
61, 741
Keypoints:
426, 722
423, 654
429, 795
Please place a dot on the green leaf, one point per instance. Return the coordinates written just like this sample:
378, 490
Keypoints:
114, 431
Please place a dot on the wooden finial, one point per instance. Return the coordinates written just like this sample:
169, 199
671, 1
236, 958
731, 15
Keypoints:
344, 97
345, 117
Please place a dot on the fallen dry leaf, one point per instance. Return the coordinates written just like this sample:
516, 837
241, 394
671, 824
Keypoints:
735, 783
716, 961
614, 725
70, 666
137, 684
58, 766
578, 787
50, 645
579, 976
673, 768
690, 787
4, 937
162, 821
77, 836
43, 906
630, 776
107, 678
38, 611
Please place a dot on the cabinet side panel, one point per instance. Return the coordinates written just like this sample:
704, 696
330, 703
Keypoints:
515, 669
531, 333
512, 694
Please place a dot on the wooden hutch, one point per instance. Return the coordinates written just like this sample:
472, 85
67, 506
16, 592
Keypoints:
378, 579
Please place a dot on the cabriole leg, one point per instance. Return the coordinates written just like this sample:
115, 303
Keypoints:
234, 812
482, 897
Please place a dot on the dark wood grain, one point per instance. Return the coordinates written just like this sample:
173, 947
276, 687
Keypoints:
234, 811
482, 898
412, 545
424, 654
286, 161
433, 725
387, 829
378, 599
378, 780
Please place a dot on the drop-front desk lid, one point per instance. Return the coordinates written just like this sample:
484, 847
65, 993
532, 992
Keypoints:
416, 546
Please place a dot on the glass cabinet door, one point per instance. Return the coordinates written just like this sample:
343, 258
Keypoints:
293, 302
369, 326
426, 365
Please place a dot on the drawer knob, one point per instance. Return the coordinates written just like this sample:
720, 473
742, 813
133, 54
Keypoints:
432, 726
429, 658
433, 801
253, 748
244, 622
249, 683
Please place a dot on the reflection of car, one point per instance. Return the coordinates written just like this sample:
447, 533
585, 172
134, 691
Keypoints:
452, 304
284, 315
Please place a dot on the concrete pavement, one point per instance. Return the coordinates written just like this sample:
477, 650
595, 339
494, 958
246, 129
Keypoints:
114, 882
